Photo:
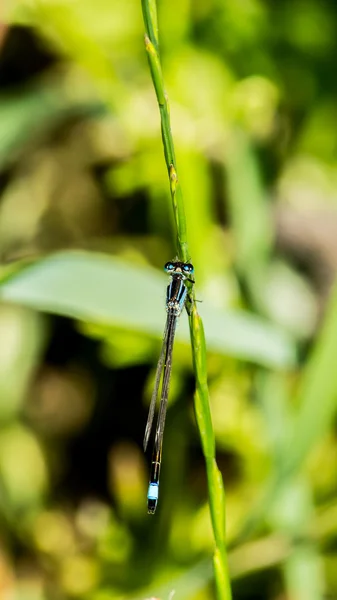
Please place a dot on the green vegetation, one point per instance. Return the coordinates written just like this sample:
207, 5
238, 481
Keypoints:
202, 404
86, 224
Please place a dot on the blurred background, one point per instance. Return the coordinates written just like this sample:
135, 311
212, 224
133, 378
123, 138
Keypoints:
85, 229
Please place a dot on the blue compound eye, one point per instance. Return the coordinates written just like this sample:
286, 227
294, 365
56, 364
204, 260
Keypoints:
169, 267
188, 268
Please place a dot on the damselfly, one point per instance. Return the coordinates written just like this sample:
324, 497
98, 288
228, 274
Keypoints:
176, 296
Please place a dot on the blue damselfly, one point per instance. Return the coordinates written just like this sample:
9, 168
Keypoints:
176, 296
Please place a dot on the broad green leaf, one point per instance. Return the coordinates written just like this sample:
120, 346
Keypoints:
103, 289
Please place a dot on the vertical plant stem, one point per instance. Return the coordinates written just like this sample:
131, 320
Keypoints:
202, 407
214, 478
152, 48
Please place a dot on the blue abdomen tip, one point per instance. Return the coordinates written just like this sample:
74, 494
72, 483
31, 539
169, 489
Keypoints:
153, 491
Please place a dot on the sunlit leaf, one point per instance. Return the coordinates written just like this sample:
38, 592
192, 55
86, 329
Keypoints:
104, 289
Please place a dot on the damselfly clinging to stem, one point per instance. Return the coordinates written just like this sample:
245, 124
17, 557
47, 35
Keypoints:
176, 296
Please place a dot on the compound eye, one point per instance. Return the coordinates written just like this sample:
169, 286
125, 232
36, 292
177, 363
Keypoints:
188, 268
169, 267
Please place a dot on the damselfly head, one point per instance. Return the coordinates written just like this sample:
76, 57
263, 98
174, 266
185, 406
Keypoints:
169, 267
188, 268
179, 267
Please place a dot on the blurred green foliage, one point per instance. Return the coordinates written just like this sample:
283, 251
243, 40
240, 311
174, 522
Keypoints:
82, 175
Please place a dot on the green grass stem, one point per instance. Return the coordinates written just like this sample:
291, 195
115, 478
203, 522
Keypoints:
202, 406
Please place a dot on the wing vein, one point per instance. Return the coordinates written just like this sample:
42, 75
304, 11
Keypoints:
171, 329
156, 387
